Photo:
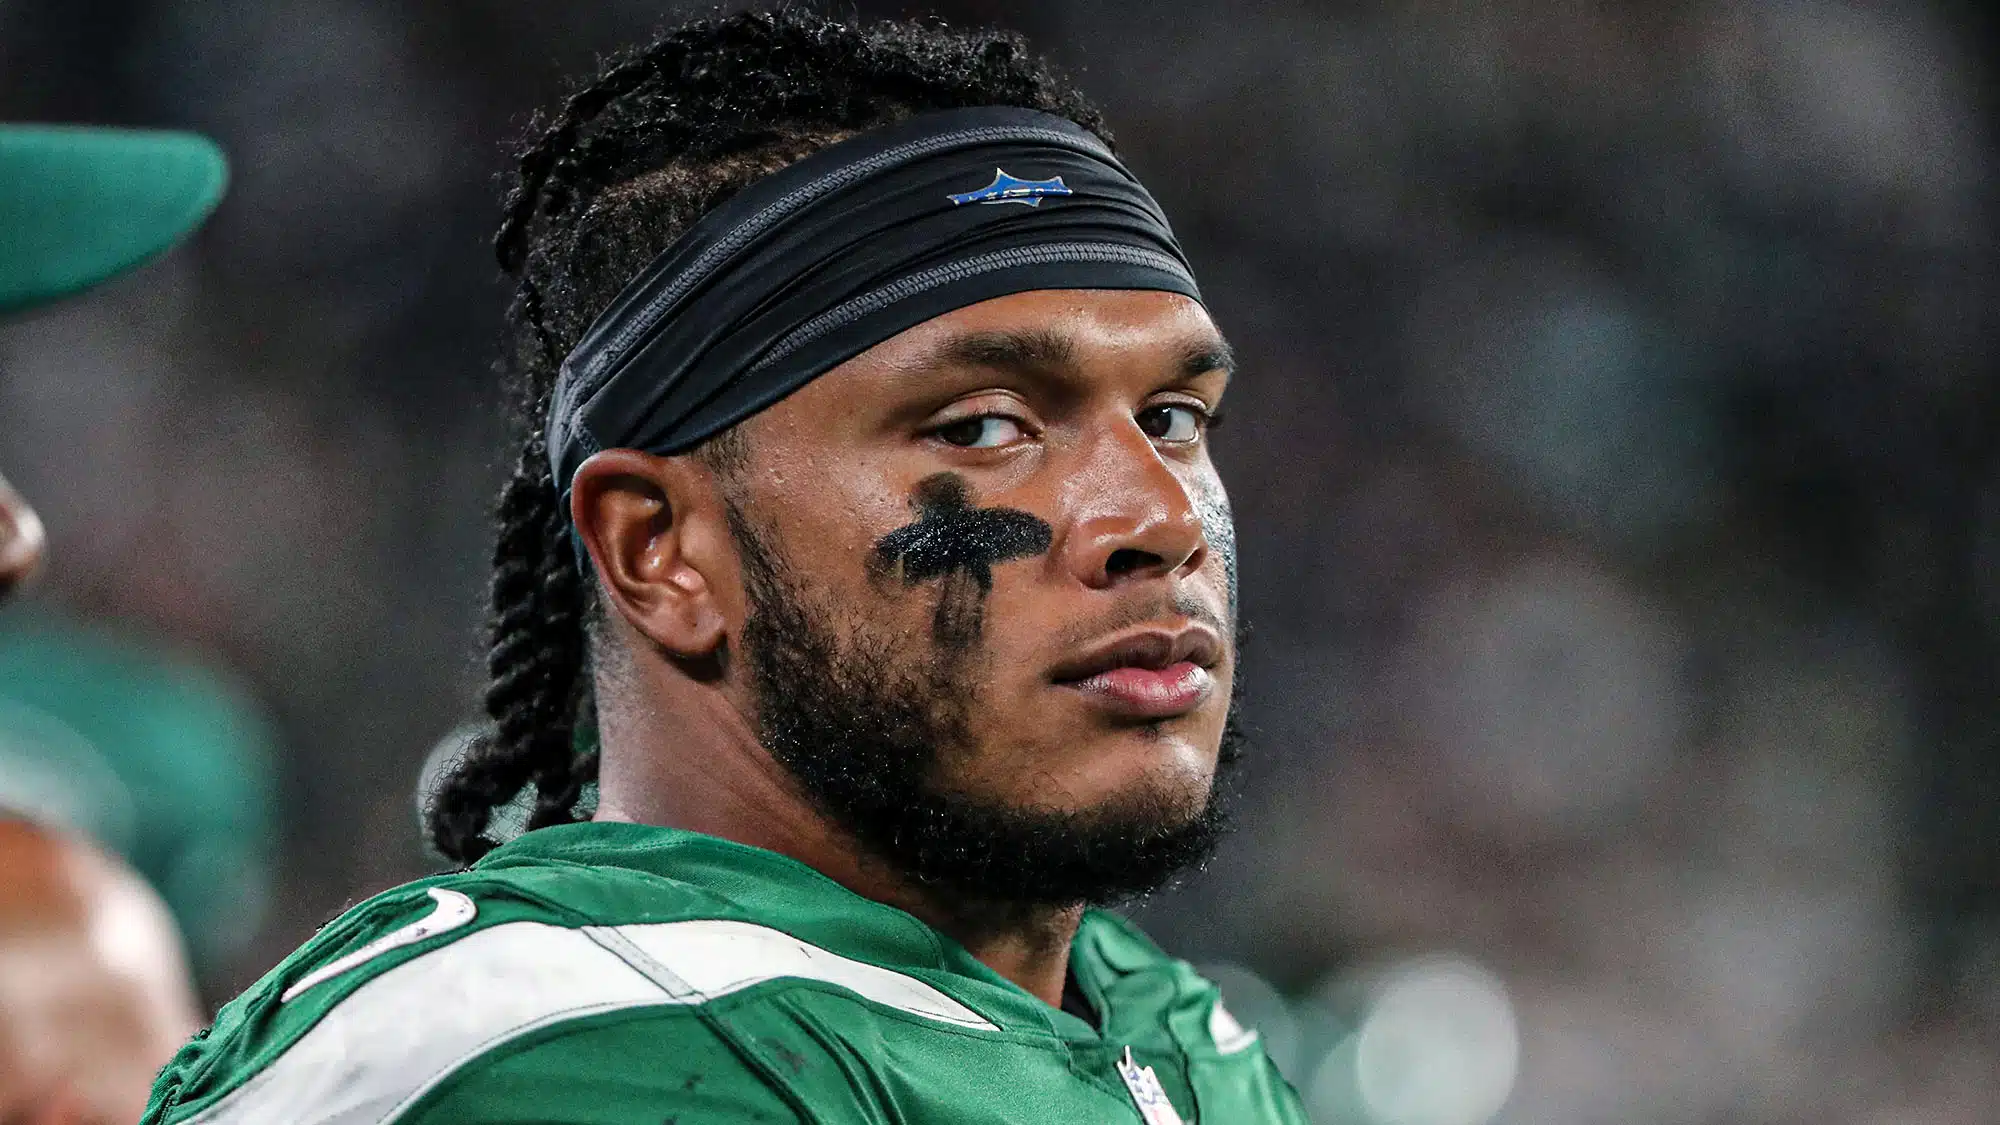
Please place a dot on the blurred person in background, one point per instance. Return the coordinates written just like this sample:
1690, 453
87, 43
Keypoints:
94, 987
862, 619
153, 752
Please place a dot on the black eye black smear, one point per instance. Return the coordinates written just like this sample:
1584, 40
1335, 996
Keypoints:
956, 542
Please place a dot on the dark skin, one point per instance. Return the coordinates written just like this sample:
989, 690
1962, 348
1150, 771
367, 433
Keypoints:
1081, 410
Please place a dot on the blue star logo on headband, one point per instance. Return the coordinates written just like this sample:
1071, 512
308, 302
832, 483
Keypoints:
1010, 189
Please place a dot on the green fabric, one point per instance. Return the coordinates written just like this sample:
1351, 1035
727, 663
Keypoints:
784, 1050
151, 754
79, 205
584, 1075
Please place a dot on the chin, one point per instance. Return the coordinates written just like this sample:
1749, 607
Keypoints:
1152, 766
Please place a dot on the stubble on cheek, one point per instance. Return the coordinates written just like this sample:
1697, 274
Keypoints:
1218, 528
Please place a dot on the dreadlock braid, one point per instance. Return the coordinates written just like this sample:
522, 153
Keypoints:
535, 664
660, 136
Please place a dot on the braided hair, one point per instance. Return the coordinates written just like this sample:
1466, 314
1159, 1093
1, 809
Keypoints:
660, 136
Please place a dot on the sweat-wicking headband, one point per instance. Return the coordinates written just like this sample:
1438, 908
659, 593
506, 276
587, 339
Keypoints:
825, 258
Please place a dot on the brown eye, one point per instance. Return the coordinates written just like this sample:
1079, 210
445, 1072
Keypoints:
1176, 423
987, 431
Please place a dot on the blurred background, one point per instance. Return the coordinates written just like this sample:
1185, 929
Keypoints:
1616, 458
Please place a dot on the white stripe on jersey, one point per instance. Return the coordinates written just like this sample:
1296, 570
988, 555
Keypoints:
374, 1054
700, 960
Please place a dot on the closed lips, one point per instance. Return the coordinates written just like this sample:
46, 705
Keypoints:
1153, 649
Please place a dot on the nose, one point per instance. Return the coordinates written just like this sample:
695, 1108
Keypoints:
1134, 517
20, 539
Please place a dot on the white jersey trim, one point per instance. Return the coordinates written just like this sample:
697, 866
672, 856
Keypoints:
701, 960
373, 1055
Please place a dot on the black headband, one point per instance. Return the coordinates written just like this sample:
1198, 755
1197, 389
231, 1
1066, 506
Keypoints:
825, 258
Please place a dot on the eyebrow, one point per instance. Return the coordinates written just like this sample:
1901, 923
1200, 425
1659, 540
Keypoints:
1210, 355
1025, 350
1047, 351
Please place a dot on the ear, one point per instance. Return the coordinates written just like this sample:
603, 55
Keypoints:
656, 531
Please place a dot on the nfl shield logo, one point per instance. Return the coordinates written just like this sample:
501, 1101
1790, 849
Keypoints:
1147, 1093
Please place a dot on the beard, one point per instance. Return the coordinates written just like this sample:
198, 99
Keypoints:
869, 729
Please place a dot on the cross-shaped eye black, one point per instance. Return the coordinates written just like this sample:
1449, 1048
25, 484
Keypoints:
951, 535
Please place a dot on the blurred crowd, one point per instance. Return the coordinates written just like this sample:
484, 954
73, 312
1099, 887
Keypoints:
1616, 461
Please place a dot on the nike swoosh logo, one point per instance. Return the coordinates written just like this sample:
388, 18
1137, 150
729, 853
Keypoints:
453, 910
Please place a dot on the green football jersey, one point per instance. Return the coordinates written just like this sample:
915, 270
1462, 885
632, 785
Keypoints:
623, 973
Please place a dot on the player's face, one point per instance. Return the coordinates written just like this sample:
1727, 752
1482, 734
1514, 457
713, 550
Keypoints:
20, 539
1016, 499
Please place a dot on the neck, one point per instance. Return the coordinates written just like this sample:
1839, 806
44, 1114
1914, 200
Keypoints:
1027, 945
696, 764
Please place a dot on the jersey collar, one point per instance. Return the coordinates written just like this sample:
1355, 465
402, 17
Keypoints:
758, 885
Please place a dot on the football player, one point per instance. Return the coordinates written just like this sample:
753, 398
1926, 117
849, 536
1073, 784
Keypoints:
862, 623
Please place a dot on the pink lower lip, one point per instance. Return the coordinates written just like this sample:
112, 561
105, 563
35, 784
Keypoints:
1147, 693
